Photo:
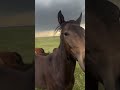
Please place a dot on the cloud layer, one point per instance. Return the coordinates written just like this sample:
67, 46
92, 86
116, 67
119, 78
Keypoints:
17, 12
10, 7
46, 12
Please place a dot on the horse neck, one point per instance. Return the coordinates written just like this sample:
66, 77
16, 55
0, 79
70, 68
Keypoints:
63, 61
61, 55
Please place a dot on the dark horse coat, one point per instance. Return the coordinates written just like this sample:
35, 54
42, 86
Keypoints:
102, 47
12, 79
54, 72
11, 58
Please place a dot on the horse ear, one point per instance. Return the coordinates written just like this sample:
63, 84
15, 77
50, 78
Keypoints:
60, 18
79, 19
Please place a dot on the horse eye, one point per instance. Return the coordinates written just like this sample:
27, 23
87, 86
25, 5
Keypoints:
66, 33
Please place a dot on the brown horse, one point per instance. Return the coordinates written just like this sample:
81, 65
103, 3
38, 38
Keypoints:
111, 12
102, 48
11, 58
56, 71
12, 79
54, 49
40, 51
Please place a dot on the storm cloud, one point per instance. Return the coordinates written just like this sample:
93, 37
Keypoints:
46, 12
9, 7
17, 12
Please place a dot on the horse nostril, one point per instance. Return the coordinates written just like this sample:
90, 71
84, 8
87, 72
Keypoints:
66, 33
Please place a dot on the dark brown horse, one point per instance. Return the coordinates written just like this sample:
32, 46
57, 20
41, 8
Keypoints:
111, 12
12, 79
40, 51
56, 71
102, 48
54, 49
11, 58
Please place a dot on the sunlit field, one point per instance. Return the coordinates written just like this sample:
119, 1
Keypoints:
48, 43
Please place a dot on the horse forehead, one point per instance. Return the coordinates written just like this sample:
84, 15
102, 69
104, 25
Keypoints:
71, 26
75, 29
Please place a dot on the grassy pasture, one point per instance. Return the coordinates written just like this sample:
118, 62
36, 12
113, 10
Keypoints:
48, 43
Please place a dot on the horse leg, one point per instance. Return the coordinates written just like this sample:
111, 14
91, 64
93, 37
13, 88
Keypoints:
90, 82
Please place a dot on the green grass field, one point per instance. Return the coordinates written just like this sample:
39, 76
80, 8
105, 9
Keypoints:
48, 43
18, 39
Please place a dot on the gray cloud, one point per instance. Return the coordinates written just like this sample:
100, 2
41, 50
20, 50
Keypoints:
17, 12
10, 7
46, 12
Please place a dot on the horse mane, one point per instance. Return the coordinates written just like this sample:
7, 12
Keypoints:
58, 28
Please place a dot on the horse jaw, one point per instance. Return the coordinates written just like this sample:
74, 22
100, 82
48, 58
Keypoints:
81, 61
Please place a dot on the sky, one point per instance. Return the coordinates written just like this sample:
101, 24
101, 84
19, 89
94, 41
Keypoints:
46, 12
17, 12
42, 13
